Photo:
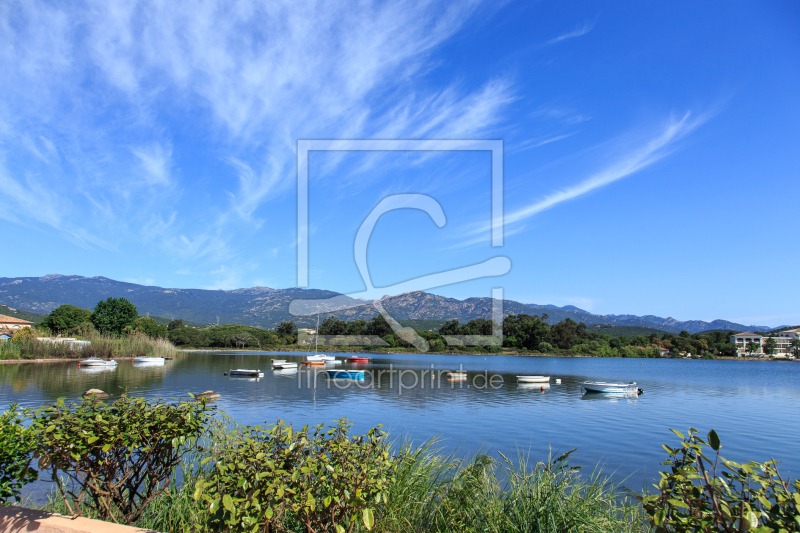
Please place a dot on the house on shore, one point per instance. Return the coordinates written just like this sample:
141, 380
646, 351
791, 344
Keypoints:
783, 341
13, 324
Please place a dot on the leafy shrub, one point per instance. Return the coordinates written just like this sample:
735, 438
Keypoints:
270, 478
15, 455
114, 459
23, 335
747, 497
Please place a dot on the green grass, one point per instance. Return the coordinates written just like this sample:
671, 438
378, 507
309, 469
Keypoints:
104, 346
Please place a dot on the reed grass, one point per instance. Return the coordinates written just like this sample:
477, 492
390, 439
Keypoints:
102, 346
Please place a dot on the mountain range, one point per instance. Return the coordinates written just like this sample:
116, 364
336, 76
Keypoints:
266, 307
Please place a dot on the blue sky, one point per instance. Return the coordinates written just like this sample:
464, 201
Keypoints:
651, 157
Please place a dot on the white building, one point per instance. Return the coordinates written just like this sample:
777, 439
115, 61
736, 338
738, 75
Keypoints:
782, 339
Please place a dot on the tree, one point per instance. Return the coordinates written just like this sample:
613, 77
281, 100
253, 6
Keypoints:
149, 327
333, 326
771, 346
24, 334
113, 314
567, 333
241, 339
176, 324
287, 329
66, 317
379, 326
528, 331
795, 346
752, 347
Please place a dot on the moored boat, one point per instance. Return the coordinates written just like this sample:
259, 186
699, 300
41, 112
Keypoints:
611, 388
456, 376
345, 374
151, 360
313, 362
96, 361
356, 359
533, 379
246, 372
282, 365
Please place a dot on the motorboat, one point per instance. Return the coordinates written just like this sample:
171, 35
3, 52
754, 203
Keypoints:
148, 359
281, 364
533, 379
248, 373
611, 388
356, 359
96, 361
345, 374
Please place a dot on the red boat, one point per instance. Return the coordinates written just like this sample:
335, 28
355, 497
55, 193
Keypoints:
358, 359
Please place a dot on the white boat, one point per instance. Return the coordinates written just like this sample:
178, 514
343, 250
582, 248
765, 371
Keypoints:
245, 372
281, 365
96, 361
153, 360
533, 379
610, 388
320, 357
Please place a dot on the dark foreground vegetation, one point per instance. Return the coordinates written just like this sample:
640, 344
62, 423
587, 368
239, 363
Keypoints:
179, 468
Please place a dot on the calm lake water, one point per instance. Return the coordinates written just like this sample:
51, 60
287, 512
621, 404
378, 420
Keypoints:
753, 405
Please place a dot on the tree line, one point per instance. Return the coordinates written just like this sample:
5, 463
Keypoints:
116, 316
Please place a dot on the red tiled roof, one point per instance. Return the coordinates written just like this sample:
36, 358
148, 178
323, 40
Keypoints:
11, 320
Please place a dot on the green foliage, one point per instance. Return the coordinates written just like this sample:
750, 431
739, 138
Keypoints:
114, 459
770, 346
228, 335
113, 315
15, 455
287, 329
270, 478
66, 318
176, 324
149, 327
746, 497
24, 335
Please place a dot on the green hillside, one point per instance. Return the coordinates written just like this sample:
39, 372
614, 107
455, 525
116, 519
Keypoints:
24, 315
618, 331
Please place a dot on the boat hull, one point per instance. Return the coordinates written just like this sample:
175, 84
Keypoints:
358, 359
247, 373
533, 379
345, 374
97, 362
610, 388
283, 365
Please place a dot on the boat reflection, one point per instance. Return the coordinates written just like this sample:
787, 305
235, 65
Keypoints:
534, 386
148, 364
96, 369
285, 372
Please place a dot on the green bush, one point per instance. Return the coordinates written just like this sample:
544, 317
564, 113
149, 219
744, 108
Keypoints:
15, 455
274, 477
746, 497
114, 458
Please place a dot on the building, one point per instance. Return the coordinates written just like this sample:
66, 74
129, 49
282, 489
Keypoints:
783, 340
13, 324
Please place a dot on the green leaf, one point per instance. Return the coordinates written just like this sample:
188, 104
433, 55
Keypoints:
369, 518
340, 528
227, 502
713, 440
198, 490
678, 433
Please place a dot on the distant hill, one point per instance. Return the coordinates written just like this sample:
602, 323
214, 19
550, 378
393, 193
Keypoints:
24, 315
266, 307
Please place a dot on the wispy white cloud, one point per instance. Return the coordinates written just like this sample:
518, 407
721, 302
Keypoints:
647, 152
87, 85
529, 144
156, 162
583, 29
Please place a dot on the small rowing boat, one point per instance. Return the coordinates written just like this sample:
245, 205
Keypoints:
345, 374
456, 376
533, 379
96, 361
356, 359
248, 373
280, 364
313, 362
610, 388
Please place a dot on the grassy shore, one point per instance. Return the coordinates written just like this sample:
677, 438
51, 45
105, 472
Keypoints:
103, 346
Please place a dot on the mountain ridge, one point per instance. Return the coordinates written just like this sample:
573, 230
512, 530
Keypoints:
266, 307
